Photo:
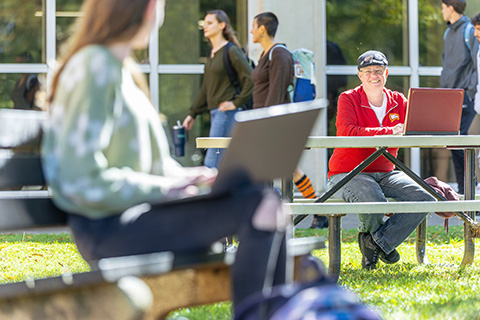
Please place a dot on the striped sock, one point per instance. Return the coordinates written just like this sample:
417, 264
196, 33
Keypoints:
305, 186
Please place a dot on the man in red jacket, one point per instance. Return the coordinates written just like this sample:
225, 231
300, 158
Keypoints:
369, 110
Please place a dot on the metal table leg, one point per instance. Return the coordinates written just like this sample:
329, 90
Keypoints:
421, 241
469, 252
334, 246
287, 189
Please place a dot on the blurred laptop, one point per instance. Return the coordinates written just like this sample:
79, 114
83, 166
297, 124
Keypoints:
267, 143
433, 111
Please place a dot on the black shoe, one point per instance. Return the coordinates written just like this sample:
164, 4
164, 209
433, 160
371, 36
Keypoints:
391, 258
319, 222
370, 250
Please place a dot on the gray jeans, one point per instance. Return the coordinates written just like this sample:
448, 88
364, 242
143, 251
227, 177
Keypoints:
376, 187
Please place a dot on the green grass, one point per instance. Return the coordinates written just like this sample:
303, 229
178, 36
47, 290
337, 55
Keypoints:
406, 290
24, 256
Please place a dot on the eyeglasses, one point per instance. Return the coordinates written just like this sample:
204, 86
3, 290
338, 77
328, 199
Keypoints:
378, 72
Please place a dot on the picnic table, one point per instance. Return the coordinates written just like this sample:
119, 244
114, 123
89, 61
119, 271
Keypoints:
334, 210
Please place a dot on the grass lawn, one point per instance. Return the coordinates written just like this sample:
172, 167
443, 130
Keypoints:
406, 290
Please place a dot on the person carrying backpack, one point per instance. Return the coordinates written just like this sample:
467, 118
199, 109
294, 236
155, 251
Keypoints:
459, 64
272, 78
218, 94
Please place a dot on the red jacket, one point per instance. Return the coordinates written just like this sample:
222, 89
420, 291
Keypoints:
355, 117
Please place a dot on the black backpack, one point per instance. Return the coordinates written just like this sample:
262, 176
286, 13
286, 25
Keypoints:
232, 73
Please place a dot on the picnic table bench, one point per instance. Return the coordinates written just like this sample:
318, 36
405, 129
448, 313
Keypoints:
134, 287
335, 209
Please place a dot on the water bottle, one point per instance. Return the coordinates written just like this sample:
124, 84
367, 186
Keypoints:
179, 139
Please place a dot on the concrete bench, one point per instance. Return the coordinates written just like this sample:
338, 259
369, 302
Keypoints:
134, 287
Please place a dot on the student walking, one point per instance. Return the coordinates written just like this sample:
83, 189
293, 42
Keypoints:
459, 62
271, 78
218, 95
476, 27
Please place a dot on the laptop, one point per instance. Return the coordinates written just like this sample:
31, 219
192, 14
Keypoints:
433, 111
267, 143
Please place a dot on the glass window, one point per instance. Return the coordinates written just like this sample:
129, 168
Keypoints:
179, 37
21, 91
177, 93
430, 82
366, 24
21, 25
431, 28
67, 12
182, 31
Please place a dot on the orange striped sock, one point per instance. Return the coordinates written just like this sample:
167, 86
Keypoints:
305, 186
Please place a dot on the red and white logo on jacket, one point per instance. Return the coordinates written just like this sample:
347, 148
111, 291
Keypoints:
393, 117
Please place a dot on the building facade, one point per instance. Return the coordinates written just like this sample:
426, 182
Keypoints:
410, 32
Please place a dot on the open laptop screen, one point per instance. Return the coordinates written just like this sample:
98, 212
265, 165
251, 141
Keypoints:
433, 111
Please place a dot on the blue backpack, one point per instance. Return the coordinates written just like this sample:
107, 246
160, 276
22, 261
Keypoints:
466, 35
303, 87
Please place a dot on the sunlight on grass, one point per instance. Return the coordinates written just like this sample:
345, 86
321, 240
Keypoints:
406, 290
24, 256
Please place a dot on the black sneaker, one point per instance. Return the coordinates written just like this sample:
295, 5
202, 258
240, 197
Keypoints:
370, 250
391, 258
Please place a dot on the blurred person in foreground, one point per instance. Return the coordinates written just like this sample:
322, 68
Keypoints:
108, 164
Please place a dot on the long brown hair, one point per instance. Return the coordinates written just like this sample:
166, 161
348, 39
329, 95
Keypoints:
102, 22
228, 32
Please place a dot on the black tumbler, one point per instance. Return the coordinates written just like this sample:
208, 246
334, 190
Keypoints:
179, 139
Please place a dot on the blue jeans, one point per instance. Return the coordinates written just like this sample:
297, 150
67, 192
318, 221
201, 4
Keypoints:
221, 125
376, 187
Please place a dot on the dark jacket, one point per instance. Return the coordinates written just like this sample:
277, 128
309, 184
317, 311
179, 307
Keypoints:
458, 62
